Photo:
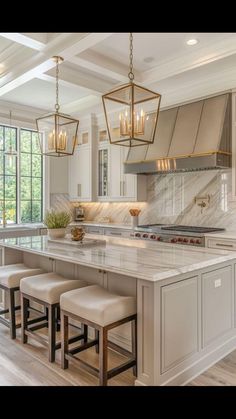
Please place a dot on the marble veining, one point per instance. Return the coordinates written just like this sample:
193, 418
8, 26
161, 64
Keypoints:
144, 260
171, 199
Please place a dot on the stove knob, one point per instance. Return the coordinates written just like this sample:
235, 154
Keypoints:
185, 240
192, 241
137, 235
159, 238
174, 240
180, 239
153, 237
198, 241
145, 235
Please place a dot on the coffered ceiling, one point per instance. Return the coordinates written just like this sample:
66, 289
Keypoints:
96, 62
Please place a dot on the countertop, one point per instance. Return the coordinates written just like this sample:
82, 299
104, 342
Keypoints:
139, 259
106, 225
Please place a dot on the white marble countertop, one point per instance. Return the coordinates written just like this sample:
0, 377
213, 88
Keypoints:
139, 259
106, 225
222, 235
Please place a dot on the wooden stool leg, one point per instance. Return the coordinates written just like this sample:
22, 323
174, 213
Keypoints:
58, 318
134, 343
85, 332
97, 337
103, 356
52, 332
64, 341
12, 314
24, 316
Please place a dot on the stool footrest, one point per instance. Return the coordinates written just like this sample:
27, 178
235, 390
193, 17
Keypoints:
90, 368
83, 347
40, 339
123, 367
38, 326
119, 349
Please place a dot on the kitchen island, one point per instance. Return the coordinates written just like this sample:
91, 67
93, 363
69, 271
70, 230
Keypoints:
185, 296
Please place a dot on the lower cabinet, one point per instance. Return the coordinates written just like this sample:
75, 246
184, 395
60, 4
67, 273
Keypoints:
179, 324
196, 313
217, 304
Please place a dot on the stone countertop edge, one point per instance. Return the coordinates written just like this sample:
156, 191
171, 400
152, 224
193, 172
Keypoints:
149, 268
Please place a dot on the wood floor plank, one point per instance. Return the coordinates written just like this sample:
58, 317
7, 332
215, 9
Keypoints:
27, 365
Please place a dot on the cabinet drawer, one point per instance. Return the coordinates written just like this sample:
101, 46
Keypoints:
225, 244
117, 233
217, 306
95, 230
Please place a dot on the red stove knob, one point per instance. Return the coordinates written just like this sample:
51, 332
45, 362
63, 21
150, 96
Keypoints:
185, 240
145, 236
153, 237
198, 241
159, 238
137, 235
174, 240
180, 239
192, 241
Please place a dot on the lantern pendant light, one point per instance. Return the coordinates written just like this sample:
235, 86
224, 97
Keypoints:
60, 130
132, 109
10, 153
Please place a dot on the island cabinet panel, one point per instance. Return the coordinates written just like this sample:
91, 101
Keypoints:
179, 322
217, 304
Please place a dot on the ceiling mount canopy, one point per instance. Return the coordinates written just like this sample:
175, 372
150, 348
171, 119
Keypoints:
60, 130
133, 109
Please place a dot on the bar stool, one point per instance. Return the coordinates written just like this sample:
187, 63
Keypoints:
45, 290
10, 277
96, 307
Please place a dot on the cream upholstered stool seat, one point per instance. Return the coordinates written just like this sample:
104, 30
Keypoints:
10, 277
96, 307
46, 290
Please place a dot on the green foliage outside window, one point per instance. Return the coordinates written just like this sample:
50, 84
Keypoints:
29, 182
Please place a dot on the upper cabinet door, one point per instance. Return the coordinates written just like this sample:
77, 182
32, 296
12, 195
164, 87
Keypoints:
80, 174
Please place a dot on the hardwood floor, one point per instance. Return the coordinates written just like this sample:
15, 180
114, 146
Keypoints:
27, 365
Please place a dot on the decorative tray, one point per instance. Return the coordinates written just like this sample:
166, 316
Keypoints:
85, 242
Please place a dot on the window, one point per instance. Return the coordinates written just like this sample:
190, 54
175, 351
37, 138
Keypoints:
8, 175
30, 177
21, 178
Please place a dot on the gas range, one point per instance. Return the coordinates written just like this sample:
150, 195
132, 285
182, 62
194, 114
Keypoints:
176, 234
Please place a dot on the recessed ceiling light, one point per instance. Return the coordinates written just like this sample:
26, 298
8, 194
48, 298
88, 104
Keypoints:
192, 42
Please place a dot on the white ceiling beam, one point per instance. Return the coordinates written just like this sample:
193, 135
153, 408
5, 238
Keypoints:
66, 83
27, 41
203, 56
41, 62
80, 78
81, 104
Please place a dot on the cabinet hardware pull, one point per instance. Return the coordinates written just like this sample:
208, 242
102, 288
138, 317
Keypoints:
115, 234
94, 231
223, 244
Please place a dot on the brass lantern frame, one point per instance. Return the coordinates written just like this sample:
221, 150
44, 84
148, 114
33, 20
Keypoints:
54, 118
131, 140
57, 152
127, 142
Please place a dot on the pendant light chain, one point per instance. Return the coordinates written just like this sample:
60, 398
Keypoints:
57, 106
131, 74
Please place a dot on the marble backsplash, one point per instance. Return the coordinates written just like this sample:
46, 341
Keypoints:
171, 199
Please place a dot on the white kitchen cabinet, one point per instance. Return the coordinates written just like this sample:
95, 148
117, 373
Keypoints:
179, 325
217, 304
113, 183
80, 174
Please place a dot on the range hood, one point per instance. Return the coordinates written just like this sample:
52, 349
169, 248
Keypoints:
195, 136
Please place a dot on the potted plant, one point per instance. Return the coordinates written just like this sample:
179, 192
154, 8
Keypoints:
56, 222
